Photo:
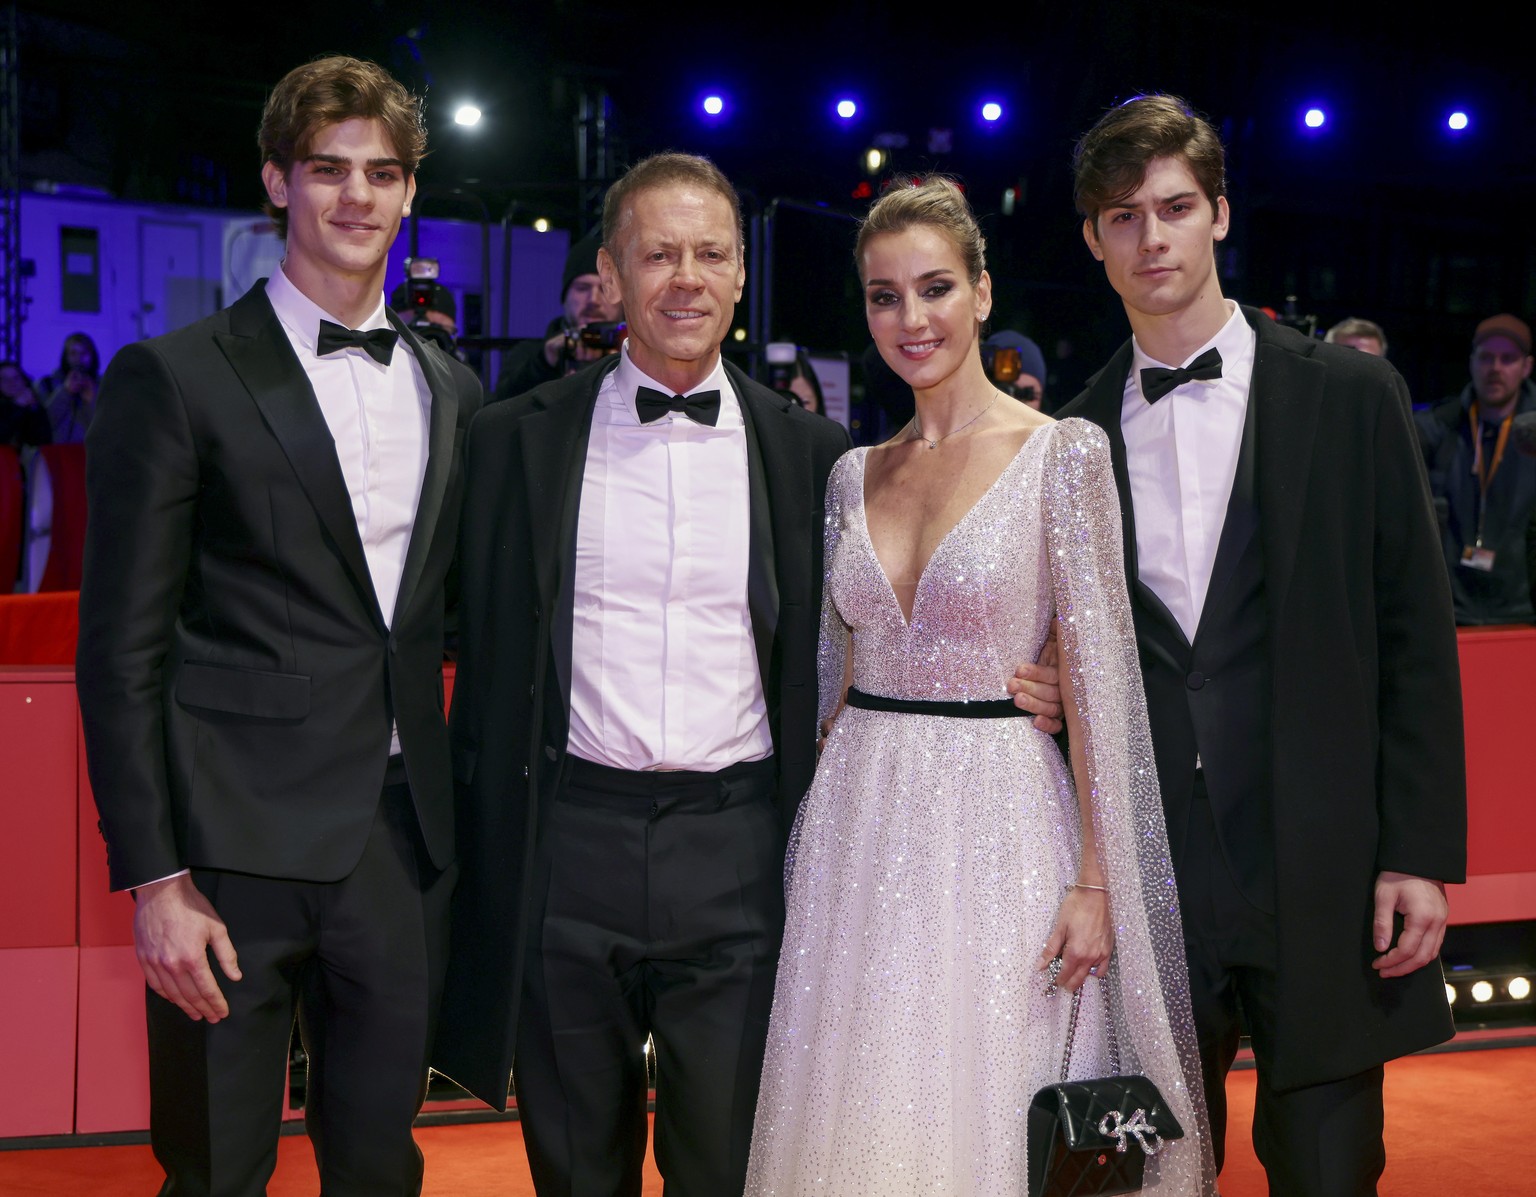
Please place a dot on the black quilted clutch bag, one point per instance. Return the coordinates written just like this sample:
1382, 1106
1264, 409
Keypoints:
1092, 1137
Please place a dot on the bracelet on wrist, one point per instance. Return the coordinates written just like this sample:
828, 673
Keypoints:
1102, 889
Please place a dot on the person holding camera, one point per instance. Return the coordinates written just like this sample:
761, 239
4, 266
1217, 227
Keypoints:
70, 391
565, 349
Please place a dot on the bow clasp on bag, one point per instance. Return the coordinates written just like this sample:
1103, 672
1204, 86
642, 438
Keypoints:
1118, 1126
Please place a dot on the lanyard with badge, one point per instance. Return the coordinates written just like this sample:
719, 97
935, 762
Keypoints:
1474, 555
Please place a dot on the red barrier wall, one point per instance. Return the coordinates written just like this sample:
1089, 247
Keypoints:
67, 969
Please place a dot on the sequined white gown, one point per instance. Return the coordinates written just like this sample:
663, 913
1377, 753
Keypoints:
910, 1027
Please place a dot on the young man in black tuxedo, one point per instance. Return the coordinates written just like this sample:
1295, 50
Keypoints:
1280, 545
275, 494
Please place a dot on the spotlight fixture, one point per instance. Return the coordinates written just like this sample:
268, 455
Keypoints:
1458, 121
1519, 988
1314, 118
467, 115
713, 105
991, 111
847, 109
1482, 991
874, 160
1450, 995
541, 225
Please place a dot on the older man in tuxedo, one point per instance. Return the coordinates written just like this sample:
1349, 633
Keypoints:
1280, 545
634, 717
274, 498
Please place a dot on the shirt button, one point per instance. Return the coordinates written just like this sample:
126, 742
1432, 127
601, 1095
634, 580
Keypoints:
1195, 680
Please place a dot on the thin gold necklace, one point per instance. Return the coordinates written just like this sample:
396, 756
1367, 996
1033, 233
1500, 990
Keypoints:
935, 444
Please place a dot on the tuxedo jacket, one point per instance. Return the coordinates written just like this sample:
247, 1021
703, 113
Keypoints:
511, 699
237, 678
1360, 729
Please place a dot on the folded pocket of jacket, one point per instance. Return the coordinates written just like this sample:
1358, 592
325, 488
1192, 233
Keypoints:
255, 693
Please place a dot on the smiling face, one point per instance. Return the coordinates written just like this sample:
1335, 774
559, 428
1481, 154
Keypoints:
924, 314
1158, 245
678, 274
344, 201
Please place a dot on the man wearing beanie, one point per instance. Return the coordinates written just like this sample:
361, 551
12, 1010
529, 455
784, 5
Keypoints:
1484, 488
535, 362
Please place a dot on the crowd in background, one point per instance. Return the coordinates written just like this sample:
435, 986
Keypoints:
1479, 445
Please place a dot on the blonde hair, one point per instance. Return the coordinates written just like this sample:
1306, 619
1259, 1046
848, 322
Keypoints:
936, 202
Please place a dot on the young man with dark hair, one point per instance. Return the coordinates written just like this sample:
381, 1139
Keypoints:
1280, 545
275, 494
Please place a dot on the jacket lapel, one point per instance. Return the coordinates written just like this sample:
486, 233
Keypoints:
770, 505
1241, 519
554, 446
259, 352
441, 425
1288, 390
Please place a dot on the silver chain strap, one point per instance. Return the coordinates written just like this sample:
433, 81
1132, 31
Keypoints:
1077, 1004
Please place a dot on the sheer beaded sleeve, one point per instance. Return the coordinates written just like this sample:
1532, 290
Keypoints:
833, 646
1149, 982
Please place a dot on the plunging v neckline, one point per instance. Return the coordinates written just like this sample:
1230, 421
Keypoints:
922, 574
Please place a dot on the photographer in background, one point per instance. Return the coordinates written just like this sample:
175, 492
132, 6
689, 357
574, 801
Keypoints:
70, 391
427, 307
583, 332
790, 372
1016, 366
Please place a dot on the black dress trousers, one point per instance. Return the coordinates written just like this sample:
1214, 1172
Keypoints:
658, 913
1317, 1141
361, 960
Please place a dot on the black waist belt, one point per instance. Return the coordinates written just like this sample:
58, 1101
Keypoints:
981, 708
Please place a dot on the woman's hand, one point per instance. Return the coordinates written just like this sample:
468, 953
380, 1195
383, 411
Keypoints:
1084, 937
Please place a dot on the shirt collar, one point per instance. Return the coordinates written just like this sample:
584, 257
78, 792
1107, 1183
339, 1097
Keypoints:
631, 378
1233, 340
301, 315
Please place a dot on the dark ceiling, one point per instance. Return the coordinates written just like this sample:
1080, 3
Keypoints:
1382, 214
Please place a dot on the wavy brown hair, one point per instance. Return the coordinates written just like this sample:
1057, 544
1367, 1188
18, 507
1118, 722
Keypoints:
1111, 160
329, 91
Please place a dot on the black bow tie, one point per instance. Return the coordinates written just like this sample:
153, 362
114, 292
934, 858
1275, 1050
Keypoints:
379, 343
702, 408
1157, 382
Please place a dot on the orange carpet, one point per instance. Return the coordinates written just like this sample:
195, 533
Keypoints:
1438, 1142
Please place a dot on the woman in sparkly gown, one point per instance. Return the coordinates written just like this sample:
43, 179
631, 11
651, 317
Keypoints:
945, 854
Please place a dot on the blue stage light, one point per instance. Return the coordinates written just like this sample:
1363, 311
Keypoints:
847, 109
1315, 118
991, 111
713, 105
1457, 122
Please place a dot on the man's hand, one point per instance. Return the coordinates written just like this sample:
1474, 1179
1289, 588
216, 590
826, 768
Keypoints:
1422, 904
1035, 688
173, 928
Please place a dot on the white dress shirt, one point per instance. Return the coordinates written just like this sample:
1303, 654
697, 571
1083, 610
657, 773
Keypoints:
1181, 455
378, 420
664, 671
